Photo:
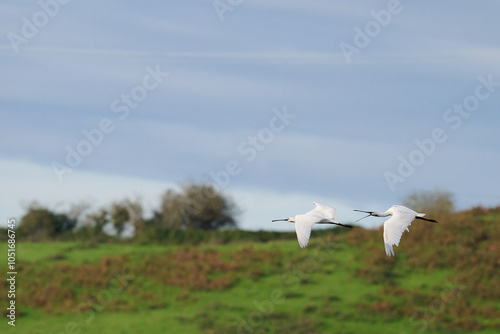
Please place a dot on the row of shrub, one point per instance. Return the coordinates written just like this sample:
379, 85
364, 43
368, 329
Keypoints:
161, 235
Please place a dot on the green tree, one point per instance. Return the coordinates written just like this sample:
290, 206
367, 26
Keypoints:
98, 220
77, 211
172, 209
197, 206
433, 202
119, 216
40, 223
134, 208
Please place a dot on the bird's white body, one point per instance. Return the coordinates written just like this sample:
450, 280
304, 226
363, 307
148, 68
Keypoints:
322, 214
396, 225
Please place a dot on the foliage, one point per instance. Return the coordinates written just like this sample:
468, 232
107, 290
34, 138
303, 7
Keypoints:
465, 243
161, 235
208, 270
435, 202
134, 208
42, 224
443, 279
119, 217
97, 222
197, 206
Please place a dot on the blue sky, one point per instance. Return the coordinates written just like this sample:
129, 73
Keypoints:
415, 107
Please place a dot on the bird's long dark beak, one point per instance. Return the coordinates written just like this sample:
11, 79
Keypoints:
368, 212
280, 220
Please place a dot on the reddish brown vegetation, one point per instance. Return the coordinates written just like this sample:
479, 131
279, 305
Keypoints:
205, 270
61, 288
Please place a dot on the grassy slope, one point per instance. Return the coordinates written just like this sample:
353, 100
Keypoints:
333, 285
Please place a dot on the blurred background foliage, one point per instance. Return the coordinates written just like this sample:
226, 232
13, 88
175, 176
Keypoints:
190, 263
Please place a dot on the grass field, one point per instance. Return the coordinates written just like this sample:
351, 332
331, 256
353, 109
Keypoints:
340, 283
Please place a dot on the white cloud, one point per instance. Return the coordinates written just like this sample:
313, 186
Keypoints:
24, 182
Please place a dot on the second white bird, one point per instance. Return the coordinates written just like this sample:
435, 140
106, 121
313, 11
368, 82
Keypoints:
396, 225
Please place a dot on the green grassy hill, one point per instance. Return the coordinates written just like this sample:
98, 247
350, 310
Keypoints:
445, 278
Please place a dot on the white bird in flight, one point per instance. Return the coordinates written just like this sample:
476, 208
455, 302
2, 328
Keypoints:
396, 225
322, 214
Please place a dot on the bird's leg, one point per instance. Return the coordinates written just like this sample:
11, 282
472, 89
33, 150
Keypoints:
429, 220
342, 225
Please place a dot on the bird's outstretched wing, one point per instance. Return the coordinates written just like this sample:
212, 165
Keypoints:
303, 234
394, 228
324, 212
304, 223
303, 226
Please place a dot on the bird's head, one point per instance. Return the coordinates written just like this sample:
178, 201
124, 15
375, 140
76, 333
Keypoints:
369, 213
392, 209
290, 219
377, 214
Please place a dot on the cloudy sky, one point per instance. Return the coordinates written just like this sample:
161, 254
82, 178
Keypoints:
279, 103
